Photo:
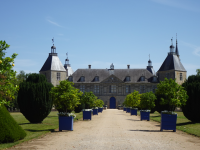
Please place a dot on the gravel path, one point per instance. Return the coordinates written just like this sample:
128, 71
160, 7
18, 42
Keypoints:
114, 130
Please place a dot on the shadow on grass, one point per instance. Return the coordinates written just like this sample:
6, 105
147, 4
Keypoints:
155, 116
185, 123
147, 130
132, 120
51, 116
30, 130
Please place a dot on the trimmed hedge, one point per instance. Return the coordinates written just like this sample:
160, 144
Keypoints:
34, 99
191, 110
10, 131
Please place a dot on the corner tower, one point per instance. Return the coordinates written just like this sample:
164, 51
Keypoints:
172, 67
53, 68
68, 68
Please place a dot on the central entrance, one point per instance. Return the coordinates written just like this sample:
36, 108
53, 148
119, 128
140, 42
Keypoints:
112, 103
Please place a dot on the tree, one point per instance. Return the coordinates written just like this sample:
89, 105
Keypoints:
172, 94
133, 99
191, 109
147, 100
88, 99
7, 75
34, 100
65, 96
198, 72
99, 103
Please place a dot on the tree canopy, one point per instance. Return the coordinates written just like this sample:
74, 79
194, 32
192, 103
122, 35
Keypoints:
88, 98
132, 99
147, 100
7, 75
173, 94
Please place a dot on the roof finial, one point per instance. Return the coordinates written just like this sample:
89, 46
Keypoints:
149, 56
67, 55
172, 40
53, 40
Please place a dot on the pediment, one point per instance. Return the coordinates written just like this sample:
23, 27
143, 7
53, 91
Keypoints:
112, 79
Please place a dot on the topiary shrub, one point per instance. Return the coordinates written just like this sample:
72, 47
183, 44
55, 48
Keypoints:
79, 108
34, 99
10, 131
191, 109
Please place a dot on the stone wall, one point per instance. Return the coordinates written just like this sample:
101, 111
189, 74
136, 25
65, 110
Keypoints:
177, 75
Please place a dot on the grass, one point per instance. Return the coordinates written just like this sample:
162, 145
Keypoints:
36, 130
182, 123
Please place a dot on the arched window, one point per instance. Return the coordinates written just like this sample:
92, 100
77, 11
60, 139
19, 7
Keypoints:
96, 78
70, 78
128, 78
142, 78
82, 79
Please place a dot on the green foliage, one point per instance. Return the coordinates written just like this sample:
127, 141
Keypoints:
147, 100
99, 103
88, 98
173, 94
7, 75
191, 109
10, 131
65, 96
132, 100
79, 108
34, 99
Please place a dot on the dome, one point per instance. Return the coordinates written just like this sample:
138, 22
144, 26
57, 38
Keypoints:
67, 59
53, 47
149, 61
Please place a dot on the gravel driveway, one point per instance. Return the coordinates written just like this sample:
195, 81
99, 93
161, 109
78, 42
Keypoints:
116, 130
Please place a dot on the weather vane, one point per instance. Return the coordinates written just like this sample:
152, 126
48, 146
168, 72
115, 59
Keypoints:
149, 56
67, 54
53, 40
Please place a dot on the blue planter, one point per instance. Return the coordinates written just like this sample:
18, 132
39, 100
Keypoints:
124, 108
127, 110
95, 111
134, 112
87, 115
168, 122
100, 110
66, 123
144, 115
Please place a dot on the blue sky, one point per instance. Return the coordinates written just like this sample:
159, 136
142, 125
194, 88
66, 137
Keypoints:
101, 32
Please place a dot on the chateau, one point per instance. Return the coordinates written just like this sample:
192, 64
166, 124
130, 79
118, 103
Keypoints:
112, 85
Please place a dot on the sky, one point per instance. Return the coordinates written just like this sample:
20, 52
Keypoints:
101, 32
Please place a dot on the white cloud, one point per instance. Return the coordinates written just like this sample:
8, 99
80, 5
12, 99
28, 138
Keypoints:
54, 23
177, 4
196, 49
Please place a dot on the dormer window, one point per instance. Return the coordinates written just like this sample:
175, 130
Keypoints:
96, 78
154, 79
82, 79
70, 78
142, 78
128, 78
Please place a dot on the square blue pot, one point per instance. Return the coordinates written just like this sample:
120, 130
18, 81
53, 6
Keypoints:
87, 115
128, 110
66, 123
124, 108
134, 112
168, 122
144, 115
100, 110
95, 111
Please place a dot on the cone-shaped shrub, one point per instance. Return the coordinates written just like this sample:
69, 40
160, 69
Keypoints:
191, 109
10, 131
34, 99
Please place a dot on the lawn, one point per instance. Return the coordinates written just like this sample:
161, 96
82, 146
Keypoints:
182, 123
36, 130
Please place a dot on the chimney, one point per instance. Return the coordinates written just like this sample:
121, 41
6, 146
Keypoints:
128, 66
89, 66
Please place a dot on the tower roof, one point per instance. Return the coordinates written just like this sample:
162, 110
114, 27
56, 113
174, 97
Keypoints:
172, 62
53, 63
176, 51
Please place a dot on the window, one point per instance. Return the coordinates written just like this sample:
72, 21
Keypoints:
96, 78
142, 78
58, 75
82, 79
82, 88
181, 77
128, 89
142, 89
154, 79
105, 89
128, 78
113, 88
96, 88
70, 78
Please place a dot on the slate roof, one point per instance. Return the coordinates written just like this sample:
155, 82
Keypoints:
89, 74
172, 62
53, 63
150, 69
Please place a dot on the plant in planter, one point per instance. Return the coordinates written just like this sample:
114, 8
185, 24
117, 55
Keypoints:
124, 105
88, 98
65, 98
174, 96
133, 100
146, 104
95, 108
99, 104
